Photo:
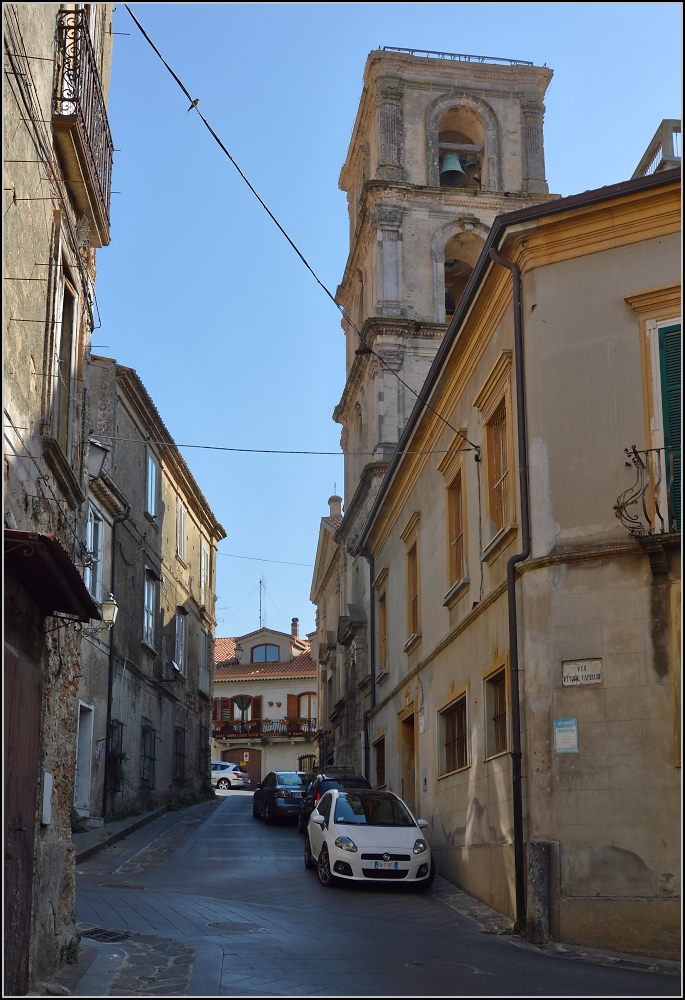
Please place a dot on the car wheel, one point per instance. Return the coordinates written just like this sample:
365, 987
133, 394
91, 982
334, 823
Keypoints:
309, 861
326, 876
426, 883
269, 817
223, 783
255, 811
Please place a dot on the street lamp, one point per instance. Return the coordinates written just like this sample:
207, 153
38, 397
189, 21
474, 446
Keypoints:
97, 454
238, 653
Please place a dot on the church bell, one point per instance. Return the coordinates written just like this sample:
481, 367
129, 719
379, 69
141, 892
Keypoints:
452, 173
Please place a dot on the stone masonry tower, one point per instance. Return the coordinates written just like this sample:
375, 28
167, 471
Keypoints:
441, 145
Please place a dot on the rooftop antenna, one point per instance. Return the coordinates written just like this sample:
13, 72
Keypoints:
262, 611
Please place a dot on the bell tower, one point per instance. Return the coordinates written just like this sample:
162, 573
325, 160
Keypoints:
441, 145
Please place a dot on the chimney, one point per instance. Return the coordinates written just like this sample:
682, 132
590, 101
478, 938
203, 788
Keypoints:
295, 628
335, 504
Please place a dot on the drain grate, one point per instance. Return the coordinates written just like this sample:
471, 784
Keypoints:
235, 928
448, 968
102, 934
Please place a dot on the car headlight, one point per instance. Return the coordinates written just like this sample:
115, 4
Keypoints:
345, 844
420, 846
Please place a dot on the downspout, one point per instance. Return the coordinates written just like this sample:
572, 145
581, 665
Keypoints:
110, 674
372, 662
517, 785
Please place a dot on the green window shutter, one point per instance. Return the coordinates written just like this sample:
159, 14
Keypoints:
670, 352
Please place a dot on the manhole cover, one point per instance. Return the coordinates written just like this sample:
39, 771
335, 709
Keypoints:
235, 928
445, 967
102, 934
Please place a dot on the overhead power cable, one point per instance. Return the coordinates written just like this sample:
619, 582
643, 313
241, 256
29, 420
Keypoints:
367, 347
280, 562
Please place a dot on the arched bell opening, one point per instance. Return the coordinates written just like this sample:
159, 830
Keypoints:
461, 253
461, 144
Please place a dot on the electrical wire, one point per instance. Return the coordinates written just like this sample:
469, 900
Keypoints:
367, 346
280, 562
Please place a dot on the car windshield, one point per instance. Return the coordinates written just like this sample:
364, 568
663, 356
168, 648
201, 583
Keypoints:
371, 809
292, 780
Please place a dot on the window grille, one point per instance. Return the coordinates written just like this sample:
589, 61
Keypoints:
179, 754
115, 773
148, 750
455, 737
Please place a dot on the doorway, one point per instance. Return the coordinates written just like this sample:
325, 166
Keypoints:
252, 759
84, 755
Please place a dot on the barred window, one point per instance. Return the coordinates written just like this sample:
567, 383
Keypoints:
454, 755
148, 750
117, 758
496, 708
179, 754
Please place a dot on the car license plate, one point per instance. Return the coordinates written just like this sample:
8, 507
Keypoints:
387, 864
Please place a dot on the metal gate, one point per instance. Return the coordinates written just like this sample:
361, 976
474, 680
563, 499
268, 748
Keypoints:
22, 693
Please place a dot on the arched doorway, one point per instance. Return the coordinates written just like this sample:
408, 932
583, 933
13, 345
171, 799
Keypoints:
249, 758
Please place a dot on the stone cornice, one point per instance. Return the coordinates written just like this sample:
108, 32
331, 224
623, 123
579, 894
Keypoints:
106, 491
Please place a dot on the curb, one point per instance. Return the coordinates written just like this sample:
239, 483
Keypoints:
139, 821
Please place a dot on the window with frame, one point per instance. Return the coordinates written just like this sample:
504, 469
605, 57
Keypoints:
64, 387
499, 508
307, 706
455, 528
180, 641
152, 485
453, 737
670, 372
266, 653
413, 589
149, 609
204, 574
179, 765
181, 517
148, 751
203, 670
383, 631
379, 753
496, 713
92, 574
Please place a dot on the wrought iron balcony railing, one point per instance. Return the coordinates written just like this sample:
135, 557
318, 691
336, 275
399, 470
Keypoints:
655, 494
81, 128
257, 728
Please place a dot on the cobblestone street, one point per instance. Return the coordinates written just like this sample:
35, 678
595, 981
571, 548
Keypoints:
211, 902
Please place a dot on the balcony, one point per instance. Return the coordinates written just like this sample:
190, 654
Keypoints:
264, 729
663, 151
81, 130
655, 494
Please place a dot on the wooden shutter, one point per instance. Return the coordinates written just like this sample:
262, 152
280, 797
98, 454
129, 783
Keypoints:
293, 710
257, 708
669, 359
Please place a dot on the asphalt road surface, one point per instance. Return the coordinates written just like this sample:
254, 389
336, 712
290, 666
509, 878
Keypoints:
212, 902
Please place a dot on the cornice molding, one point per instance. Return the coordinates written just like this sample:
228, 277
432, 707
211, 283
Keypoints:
662, 302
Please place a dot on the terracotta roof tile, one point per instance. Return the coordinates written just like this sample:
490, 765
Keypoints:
301, 666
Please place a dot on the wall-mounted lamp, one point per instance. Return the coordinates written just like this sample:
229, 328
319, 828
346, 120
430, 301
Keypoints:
97, 454
238, 653
108, 609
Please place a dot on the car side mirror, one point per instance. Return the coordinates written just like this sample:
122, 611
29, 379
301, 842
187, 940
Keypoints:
258, 785
422, 823
317, 818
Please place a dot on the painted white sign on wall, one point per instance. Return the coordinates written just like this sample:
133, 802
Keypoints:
576, 673
566, 736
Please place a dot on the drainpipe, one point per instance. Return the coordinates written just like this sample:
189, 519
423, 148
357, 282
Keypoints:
517, 790
110, 674
371, 636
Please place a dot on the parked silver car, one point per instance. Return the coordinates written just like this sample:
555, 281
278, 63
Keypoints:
227, 775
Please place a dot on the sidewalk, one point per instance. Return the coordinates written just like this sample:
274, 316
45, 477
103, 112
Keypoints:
90, 842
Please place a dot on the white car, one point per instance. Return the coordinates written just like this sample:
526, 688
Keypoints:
359, 834
226, 775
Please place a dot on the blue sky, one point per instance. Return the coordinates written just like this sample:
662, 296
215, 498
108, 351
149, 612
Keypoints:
200, 293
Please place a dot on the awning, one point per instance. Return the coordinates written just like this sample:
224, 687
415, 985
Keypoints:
45, 569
